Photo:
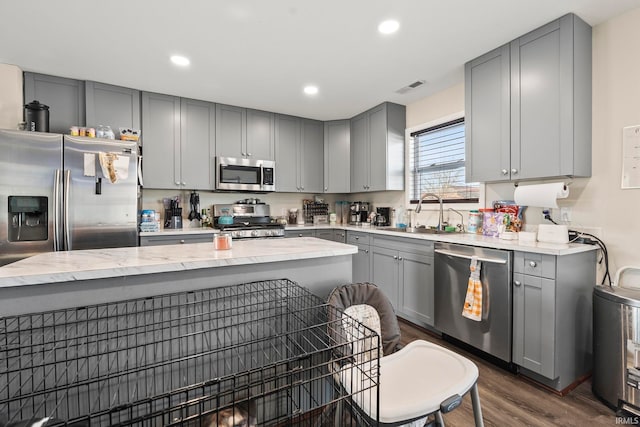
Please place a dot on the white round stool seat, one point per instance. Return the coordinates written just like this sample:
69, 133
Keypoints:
414, 381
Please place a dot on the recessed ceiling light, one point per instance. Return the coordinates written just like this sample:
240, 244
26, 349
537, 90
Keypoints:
180, 60
311, 90
389, 26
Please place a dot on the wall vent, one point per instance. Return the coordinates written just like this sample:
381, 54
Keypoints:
411, 86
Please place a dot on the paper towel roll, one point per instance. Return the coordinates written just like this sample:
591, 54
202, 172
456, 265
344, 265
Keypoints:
541, 195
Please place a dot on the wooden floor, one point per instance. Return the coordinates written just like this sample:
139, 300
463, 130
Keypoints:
508, 400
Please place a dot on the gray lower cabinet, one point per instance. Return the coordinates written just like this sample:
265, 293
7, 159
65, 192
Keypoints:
113, 106
337, 155
552, 315
377, 149
539, 86
300, 233
244, 133
361, 261
176, 240
403, 269
178, 143
65, 98
332, 234
339, 236
299, 153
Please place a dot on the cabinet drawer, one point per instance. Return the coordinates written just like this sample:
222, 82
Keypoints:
355, 238
408, 244
175, 240
532, 264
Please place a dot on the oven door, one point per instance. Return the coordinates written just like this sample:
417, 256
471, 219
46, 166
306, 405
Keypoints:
243, 174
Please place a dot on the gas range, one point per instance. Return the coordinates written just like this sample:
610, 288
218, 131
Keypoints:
246, 221
253, 231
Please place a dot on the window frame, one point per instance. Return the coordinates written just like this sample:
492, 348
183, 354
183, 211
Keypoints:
433, 204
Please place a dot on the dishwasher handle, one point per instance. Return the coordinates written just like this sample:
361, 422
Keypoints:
465, 256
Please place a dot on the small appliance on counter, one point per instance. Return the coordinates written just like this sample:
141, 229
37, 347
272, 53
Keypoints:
359, 213
173, 214
383, 217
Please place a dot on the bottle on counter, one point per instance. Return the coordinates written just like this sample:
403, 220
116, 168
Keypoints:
474, 225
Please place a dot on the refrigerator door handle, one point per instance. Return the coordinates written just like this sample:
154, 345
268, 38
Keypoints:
56, 212
66, 226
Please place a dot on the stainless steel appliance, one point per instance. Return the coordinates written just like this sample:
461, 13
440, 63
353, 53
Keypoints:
359, 212
493, 333
57, 195
250, 221
616, 347
245, 174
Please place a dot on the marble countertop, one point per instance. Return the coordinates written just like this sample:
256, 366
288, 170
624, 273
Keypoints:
56, 267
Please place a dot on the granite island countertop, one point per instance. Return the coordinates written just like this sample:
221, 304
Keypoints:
55, 267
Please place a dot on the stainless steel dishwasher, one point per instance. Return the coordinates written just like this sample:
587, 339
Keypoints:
493, 333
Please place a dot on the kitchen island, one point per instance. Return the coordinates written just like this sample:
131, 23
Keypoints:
67, 279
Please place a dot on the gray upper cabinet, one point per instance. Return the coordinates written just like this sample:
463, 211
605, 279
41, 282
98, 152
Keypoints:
551, 101
113, 106
65, 98
178, 143
487, 121
540, 87
244, 133
337, 155
377, 149
299, 153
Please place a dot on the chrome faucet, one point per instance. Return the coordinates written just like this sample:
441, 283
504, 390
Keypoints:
461, 219
441, 217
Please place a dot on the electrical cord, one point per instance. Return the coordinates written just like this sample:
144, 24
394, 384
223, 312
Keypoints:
600, 243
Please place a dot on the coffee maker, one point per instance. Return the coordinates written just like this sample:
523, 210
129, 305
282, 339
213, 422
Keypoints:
359, 213
383, 217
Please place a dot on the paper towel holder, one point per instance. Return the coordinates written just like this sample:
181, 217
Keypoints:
566, 184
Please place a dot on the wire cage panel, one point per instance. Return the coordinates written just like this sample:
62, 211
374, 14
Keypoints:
265, 350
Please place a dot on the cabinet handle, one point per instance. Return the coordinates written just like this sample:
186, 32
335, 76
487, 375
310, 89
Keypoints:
514, 171
532, 264
517, 282
504, 171
395, 257
184, 183
244, 154
357, 238
177, 182
299, 234
302, 188
248, 154
399, 258
182, 241
326, 188
366, 251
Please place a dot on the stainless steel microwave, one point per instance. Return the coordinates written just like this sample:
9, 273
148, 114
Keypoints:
245, 174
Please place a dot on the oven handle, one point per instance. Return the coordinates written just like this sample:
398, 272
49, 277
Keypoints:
465, 256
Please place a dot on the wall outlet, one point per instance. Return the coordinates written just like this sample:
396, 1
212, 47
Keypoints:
565, 214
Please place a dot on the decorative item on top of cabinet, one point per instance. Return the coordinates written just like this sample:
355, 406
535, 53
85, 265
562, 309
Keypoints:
337, 155
548, 118
65, 98
244, 133
299, 150
178, 142
377, 149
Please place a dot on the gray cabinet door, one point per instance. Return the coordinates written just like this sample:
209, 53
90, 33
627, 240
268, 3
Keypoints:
534, 324
337, 157
160, 141
361, 264
260, 142
311, 156
339, 236
416, 293
360, 153
551, 100
65, 98
230, 131
197, 144
385, 272
113, 106
377, 148
287, 153
487, 120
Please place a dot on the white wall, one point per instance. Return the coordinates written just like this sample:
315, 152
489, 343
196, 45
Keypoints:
598, 204
11, 103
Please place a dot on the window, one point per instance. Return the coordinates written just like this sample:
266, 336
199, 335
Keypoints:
436, 164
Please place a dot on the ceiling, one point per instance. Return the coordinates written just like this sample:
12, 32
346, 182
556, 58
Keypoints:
261, 53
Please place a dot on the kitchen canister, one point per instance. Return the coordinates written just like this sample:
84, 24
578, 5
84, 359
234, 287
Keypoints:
36, 116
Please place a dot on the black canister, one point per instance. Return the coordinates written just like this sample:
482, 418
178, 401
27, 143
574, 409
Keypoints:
36, 116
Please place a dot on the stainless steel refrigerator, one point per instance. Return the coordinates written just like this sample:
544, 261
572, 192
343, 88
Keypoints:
60, 192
